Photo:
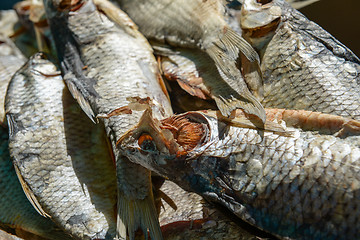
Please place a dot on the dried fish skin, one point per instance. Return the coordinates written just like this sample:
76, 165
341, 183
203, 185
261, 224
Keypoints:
185, 27
304, 186
11, 59
106, 64
201, 24
303, 66
196, 219
15, 209
52, 144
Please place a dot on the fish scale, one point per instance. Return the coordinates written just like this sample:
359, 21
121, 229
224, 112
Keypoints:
117, 90
302, 186
16, 211
200, 25
105, 62
303, 66
50, 146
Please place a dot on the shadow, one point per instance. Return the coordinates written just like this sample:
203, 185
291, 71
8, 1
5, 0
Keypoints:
92, 160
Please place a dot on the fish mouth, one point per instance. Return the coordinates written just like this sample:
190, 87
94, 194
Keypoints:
259, 17
263, 2
43, 65
262, 31
71, 5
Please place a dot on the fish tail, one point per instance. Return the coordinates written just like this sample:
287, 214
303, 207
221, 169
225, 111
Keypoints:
137, 213
227, 52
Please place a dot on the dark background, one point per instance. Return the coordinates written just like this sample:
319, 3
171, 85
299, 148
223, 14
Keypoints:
340, 18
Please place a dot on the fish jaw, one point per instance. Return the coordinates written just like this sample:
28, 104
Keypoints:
259, 22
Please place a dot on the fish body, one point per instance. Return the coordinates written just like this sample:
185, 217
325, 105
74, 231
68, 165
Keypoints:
201, 25
299, 186
62, 159
16, 212
303, 66
106, 63
11, 59
196, 219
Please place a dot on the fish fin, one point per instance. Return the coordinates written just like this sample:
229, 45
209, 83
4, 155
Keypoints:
226, 54
167, 199
231, 101
315, 121
193, 90
84, 104
184, 71
79, 85
137, 213
350, 127
116, 112
253, 77
231, 44
162, 83
29, 194
243, 120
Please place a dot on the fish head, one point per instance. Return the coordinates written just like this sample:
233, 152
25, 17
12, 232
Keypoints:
259, 20
163, 146
40, 64
59, 8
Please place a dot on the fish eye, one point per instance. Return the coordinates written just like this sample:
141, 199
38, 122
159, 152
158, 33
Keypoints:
263, 2
146, 143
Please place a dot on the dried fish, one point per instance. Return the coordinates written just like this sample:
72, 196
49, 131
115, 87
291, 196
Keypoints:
16, 212
63, 162
302, 186
304, 67
107, 64
199, 24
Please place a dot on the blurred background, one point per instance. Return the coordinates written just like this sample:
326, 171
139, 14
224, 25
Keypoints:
340, 18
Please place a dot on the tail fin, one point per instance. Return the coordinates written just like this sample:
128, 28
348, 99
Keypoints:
226, 53
137, 213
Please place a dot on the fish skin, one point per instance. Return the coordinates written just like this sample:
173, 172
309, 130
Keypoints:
197, 219
304, 186
303, 66
11, 59
201, 25
16, 212
47, 126
119, 64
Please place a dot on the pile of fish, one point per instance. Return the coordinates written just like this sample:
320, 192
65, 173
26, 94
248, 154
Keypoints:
265, 142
